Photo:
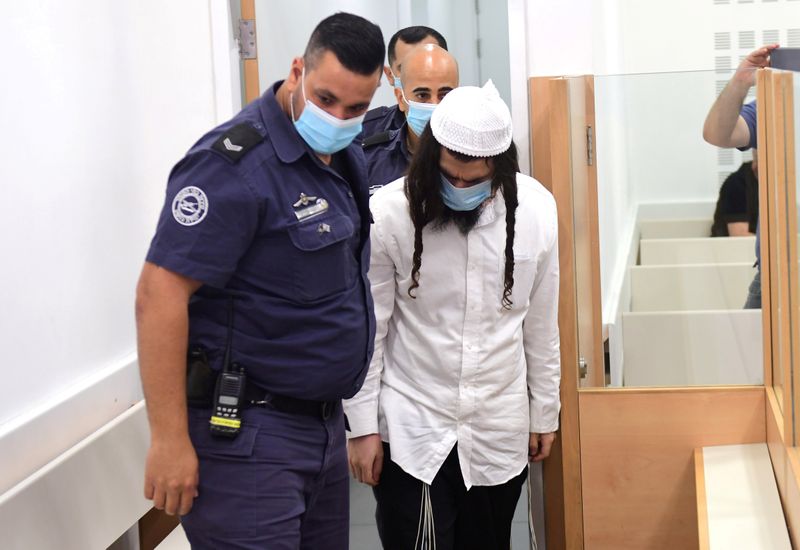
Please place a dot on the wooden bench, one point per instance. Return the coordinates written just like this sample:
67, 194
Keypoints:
737, 499
719, 250
690, 287
692, 348
674, 228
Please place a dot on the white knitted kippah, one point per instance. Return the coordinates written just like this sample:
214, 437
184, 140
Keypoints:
473, 121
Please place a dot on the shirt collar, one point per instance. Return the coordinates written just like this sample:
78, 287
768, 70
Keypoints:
288, 144
397, 140
402, 135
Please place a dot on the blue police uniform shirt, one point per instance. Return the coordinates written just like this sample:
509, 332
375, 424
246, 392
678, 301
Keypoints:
288, 237
748, 113
387, 158
382, 119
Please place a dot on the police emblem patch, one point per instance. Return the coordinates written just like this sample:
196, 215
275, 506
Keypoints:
190, 206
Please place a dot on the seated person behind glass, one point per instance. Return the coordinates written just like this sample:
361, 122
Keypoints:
736, 214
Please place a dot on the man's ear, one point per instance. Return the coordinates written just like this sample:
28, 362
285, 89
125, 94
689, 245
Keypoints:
295, 74
388, 72
402, 105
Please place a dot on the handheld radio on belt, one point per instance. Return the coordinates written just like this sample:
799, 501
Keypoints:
226, 413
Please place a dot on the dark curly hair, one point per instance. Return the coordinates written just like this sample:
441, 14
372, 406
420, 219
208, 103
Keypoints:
422, 188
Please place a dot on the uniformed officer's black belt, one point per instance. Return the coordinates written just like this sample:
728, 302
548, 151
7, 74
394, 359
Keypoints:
257, 397
201, 380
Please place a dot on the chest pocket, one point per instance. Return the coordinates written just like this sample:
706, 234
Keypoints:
323, 263
524, 274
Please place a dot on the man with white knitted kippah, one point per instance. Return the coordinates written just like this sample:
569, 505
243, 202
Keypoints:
463, 388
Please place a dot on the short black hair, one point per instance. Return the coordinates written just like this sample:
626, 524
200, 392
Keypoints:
356, 43
413, 35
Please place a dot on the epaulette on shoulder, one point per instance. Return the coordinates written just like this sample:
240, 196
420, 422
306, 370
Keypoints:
377, 139
237, 141
377, 112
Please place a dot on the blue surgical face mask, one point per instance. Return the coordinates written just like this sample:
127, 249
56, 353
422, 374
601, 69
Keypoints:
323, 132
466, 198
396, 80
418, 114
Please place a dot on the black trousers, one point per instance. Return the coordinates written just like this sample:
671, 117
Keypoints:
478, 519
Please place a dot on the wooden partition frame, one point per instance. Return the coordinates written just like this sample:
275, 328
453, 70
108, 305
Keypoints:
551, 166
637, 451
790, 160
778, 236
764, 207
562, 149
776, 138
252, 86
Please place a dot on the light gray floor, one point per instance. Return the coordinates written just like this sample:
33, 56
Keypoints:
364, 534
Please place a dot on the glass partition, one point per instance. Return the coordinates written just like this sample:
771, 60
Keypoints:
674, 296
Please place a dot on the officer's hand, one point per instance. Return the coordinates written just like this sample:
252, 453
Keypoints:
539, 446
366, 458
757, 59
171, 475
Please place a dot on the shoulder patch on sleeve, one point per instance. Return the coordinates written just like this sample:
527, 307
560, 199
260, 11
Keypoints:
237, 141
377, 139
377, 112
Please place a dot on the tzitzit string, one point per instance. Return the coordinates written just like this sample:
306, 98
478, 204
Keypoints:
426, 532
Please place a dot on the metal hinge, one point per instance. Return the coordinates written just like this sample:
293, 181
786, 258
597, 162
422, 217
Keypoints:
247, 39
589, 145
582, 368
477, 7
478, 47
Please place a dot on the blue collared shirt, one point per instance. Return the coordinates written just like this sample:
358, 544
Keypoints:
388, 159
287, 236
382, 119
748, 113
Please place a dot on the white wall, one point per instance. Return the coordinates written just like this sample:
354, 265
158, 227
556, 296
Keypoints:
99, 100
457, 21
284, 28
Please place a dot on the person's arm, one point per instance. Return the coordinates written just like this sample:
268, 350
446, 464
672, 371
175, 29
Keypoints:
364, 447
739, 229
542, 351
723, 126
162, 322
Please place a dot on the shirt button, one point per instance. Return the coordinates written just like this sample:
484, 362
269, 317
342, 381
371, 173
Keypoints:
350, 194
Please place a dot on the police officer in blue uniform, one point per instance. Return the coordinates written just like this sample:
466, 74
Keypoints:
381, 119
428, 74
258, 269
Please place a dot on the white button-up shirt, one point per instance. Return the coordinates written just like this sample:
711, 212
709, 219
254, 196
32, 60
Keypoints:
453, 365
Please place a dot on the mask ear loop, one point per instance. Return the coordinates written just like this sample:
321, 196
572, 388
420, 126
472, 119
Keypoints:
303, 88
402, 93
